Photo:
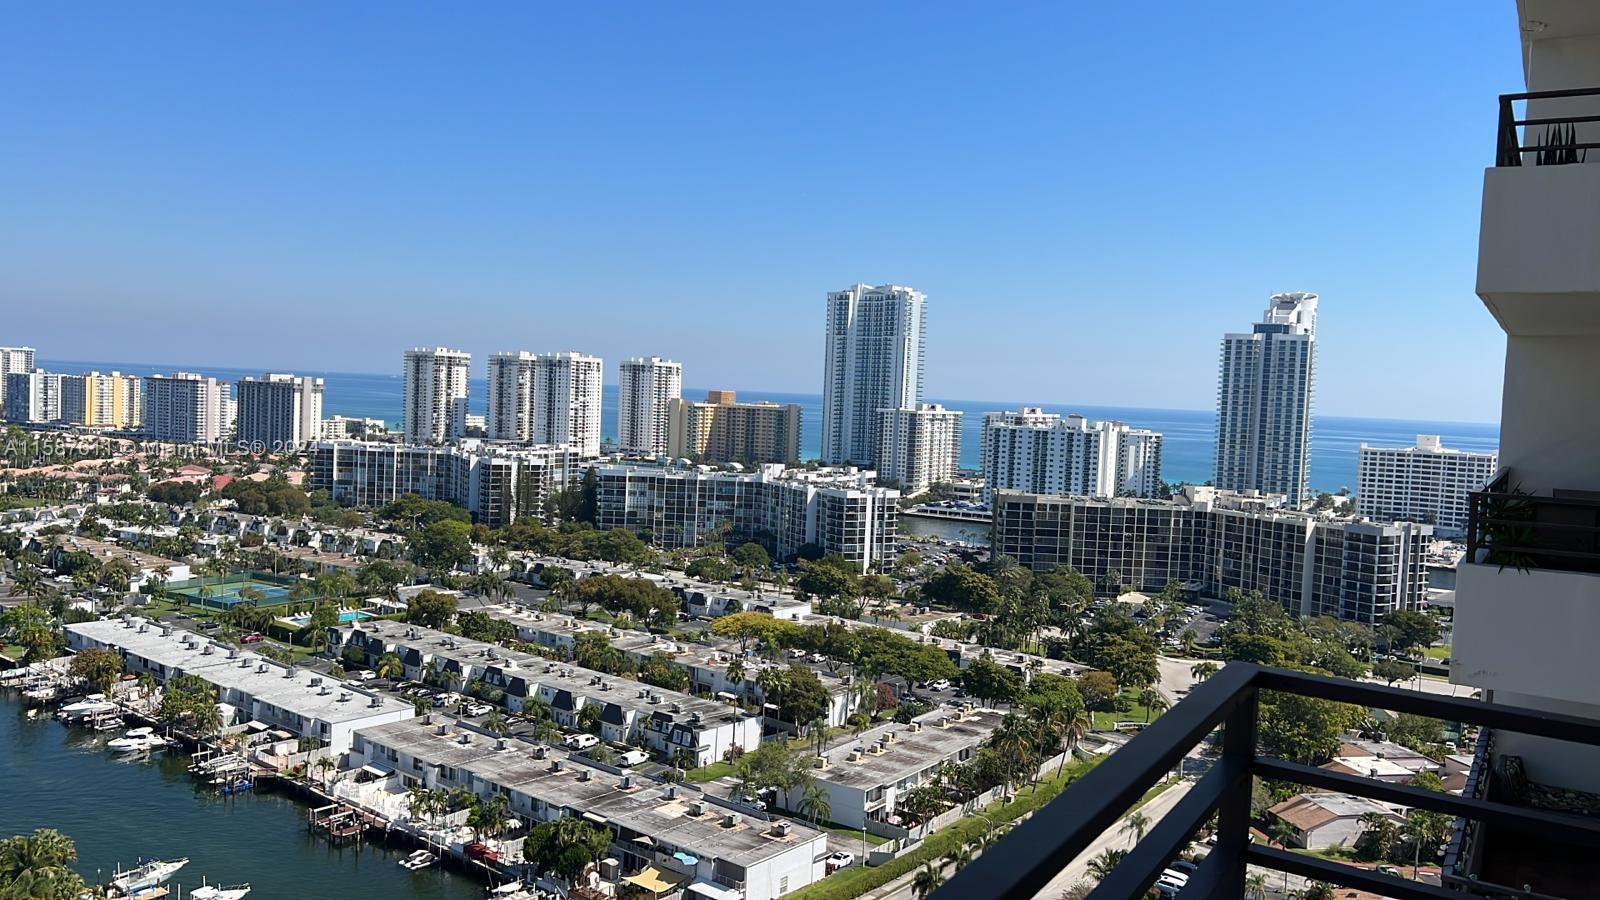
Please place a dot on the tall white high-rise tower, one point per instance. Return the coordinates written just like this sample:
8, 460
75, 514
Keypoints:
646, 386
874, 358
436, 394
1265, 388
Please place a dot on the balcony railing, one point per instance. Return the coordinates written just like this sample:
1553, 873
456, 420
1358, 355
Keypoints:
1510, 528
1024, 862
1552, 140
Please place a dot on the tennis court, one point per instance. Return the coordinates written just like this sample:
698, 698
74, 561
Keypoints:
226, 593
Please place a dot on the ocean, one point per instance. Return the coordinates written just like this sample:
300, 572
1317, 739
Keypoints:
1186, 453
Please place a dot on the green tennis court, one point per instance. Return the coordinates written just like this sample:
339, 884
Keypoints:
226, 593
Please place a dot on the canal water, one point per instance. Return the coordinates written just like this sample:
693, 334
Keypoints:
116, 811
948, 529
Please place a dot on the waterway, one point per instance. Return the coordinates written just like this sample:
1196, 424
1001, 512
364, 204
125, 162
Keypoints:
55, 777
948, 529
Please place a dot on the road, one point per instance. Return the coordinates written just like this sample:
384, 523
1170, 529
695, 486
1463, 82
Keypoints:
1113, 838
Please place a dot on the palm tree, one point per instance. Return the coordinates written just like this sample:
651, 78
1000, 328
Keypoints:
496, 723
814, 803
1281, 833
1136, 824
1151, 700
389, 666
37, 865
928, 880
322, 765
958, 858
1108, 860
1204, 670
1255, 886
419, 800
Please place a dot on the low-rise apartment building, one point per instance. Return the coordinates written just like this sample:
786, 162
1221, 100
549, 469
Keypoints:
249, 687
864, 777
630, 712
711, 848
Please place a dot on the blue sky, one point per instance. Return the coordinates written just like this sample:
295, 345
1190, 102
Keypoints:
1090, 194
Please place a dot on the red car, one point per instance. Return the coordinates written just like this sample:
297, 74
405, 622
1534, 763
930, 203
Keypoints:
254, 637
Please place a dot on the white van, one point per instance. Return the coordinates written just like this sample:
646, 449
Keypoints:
580, 741
630, 758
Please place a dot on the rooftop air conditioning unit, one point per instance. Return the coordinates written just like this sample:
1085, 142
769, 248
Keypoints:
626, 782
443, 729
557, 765
585, 774
344, 697
855, 755
697, 808
316, 680
781, 828
676, 706
539, 752
233, 652
261, 669
730, 820
465, 738
322, 691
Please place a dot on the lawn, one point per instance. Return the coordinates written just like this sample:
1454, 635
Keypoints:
1439, 652
851, 836
709, 772
1105, 721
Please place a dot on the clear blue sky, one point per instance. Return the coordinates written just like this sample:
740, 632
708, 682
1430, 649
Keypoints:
1090, 194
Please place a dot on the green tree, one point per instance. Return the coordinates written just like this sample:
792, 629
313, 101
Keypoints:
927, 880
100, 668
37, 866
991, 682
565, 846
431, 608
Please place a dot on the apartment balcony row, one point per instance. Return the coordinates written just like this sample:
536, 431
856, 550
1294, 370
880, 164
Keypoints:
1023, 863
1537, 269
1528, 596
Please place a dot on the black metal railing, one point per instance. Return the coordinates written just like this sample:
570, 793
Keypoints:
1509, 527
1552, 140
1022, 864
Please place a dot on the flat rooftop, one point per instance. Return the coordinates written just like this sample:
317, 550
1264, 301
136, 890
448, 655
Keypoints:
943, 733
544, 672
643, 807
235, 669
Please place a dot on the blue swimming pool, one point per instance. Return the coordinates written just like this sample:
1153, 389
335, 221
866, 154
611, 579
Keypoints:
346, 617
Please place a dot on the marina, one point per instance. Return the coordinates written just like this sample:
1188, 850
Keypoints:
122, 810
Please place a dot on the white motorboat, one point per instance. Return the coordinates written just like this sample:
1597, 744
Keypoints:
137, 740
418, 860
88, 706
218, 892
147, 874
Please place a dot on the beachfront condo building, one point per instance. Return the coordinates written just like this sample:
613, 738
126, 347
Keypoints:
548, 398
1035, 452
646, 388
33, 397
873, 358
185, 408
278, 412
101, 400
920, 447
14, 360
1265, 386
1427, 482
722, 429
435, 407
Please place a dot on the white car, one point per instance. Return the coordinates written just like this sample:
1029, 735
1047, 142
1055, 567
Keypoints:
940, 685
818, 658
796, 653
478, 709
580, 741
366, 675
630, 758
840, 859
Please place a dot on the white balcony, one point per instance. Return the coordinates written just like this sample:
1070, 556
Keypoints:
1539, 248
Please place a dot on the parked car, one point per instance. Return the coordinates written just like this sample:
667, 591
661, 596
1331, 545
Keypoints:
366, 675
630, 758
478, 709
818, 658
580, 741
254, 637
796, 653
839, 860
449, 698
1184, 866
940, 685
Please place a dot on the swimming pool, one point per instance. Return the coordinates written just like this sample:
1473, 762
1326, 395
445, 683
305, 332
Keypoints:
345, 618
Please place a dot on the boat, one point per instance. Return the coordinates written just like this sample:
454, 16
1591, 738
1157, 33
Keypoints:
147, 874
218, 892
88, 706
418, 860
137, 740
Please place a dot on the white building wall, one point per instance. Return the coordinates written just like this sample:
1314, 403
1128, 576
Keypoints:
509, 416
1424, 483
646, 387
919, 447
435, 394
184, 408
1044, 453
1265, 387
278, 412
566, 401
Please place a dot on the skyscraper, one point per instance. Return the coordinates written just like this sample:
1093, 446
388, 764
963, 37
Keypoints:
722, 429
185, 408
509, 416
1036, 452
873, 361
14, 361
566, 401
436, 394
1265, 387
278, 412
33, 396
646, 386
101, 400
